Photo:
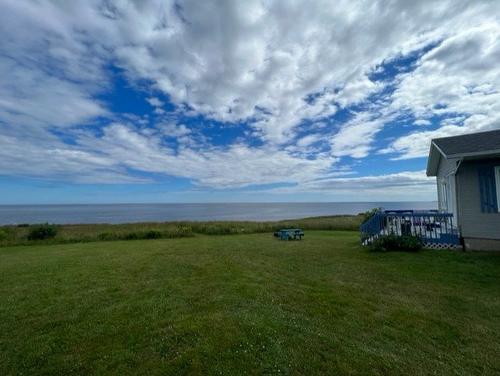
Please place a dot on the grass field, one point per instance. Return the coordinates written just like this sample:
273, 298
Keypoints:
247, 304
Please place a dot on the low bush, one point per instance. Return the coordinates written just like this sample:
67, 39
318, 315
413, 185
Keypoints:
389, 243
153, 234
173, 232
215, 229
107, 236
3, 234
42, 232
178, 232
132, 236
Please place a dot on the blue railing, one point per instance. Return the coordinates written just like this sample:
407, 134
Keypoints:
432, 227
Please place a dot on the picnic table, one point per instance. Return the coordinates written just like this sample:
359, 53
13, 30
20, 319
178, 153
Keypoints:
289, 234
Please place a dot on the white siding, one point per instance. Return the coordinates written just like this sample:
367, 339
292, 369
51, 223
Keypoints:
474, 223
446, 177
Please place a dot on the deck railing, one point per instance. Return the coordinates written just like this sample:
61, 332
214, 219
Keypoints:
435, 229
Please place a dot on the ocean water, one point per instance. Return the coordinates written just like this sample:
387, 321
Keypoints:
127, 213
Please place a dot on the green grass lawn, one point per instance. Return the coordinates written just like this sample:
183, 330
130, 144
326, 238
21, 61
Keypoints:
247, 304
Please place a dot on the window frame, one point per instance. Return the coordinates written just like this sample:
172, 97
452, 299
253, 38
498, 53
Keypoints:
497, 186
444, 194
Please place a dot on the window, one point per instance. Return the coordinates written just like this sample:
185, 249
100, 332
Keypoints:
444, 195
489, 187
497, 180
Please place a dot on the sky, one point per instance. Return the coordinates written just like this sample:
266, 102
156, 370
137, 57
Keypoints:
238, 101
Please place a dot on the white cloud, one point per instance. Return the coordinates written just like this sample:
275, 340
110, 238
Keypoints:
51, 159
228, 62
422, 122
461, 76
29, 97
417, 144
308, 140
355, 138
389, 187
272, 65
236, 166
155, 102
174, 130
375, 182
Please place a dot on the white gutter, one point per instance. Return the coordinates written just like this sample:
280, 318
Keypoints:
475, 154
454, 172
439, 149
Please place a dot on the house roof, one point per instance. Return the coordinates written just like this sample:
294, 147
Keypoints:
474, 145
469, 143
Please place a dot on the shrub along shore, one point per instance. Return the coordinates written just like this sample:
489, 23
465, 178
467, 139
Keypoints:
58, 234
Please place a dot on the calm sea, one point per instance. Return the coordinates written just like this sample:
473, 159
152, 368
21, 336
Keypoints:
125, 213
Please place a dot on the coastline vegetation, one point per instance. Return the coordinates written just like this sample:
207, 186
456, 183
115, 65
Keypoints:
25, 234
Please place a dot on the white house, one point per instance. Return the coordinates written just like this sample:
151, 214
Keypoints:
467, 170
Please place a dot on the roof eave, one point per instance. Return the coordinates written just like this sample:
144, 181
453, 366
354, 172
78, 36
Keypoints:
435, 154
431, 169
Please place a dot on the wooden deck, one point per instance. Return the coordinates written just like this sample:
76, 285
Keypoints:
435, 229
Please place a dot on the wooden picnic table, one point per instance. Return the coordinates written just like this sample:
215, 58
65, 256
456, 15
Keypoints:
289, 234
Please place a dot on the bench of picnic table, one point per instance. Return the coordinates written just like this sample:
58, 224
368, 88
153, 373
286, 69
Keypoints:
289, 234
